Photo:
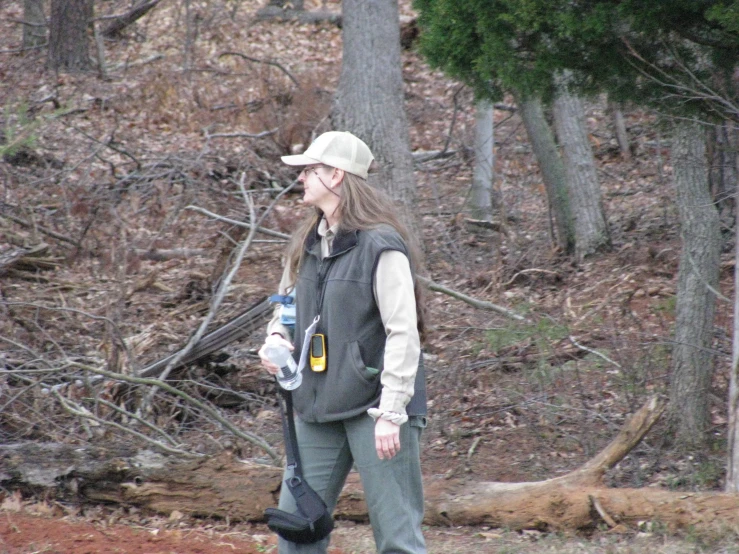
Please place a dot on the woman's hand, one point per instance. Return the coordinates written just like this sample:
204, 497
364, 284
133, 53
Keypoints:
387, 439
271, 368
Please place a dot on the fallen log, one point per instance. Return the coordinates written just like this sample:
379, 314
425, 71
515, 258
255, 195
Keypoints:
27, 259
239, 490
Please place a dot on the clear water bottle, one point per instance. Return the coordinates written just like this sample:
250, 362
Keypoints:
288, 377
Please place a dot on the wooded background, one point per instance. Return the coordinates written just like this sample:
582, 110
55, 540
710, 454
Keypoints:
570, 168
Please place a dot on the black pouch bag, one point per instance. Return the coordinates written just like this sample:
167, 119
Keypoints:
312, 521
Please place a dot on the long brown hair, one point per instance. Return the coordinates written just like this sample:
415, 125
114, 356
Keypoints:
361, 207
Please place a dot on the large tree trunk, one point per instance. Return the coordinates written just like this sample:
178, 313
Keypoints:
591, 228
692, 359
552, 171
69, 48
369, 98
225, 487
480, 201
34, 27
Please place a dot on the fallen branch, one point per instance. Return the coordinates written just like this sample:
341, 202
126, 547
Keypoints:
480, 304
20, 259
242, 135
246, 224
120, 22
267, 62
41, 229
303, 16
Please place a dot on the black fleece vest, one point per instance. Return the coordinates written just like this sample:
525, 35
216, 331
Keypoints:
340, 289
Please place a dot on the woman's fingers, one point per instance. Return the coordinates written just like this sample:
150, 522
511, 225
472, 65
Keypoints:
387, 439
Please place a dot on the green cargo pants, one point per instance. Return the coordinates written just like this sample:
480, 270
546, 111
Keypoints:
393, 488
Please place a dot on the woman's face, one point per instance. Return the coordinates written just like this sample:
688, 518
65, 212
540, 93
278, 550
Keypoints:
318, 185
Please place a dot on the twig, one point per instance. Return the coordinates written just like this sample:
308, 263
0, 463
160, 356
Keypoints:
45, 231
237, 222
129, 355
243, 135
454, 119
472, 449
245, 435
481, 304
83, 413
267, 62
586, 349
601, 511
530, 270
148, 424
144, 61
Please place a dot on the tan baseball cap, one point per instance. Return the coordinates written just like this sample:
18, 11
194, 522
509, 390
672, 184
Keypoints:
336, 149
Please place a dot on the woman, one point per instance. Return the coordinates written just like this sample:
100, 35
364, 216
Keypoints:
351, 263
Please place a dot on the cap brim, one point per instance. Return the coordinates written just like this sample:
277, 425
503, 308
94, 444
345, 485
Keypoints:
299, 159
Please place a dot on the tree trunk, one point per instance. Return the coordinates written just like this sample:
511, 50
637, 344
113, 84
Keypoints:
34, 28
552, 171
226, 487
480, 201
722, 154
591, 228
622, 136
692, 359
732, 466
369, 98
69, 48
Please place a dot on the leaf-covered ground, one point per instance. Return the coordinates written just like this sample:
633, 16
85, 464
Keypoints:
119, 175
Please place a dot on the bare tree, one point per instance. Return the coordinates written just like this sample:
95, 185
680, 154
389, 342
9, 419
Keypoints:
480, 202
619, 125
552, 171
34, 23
69, 48
692, 359
591, 228
369, 98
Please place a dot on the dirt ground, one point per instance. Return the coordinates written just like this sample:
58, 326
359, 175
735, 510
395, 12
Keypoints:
26, 533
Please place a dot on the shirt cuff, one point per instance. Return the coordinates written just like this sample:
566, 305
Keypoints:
397, 419
393, 401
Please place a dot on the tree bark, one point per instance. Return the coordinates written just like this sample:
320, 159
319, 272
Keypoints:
723, 176
732, 465
480, 202
622, 136
226, 487
591, 228
692, 359
34, 28
552, 171
69, 48
369, 98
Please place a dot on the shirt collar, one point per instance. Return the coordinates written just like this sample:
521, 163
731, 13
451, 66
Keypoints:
325, 231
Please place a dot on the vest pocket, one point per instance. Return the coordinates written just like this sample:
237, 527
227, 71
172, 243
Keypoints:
369, 374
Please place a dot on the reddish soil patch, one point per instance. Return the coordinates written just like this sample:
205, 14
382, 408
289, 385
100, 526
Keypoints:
22, 533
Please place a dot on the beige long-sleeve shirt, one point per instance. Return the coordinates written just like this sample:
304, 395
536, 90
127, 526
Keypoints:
393, 290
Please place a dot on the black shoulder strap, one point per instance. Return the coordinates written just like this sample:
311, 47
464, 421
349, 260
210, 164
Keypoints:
288, 430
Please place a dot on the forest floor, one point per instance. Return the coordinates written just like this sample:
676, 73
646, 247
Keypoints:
509, 401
